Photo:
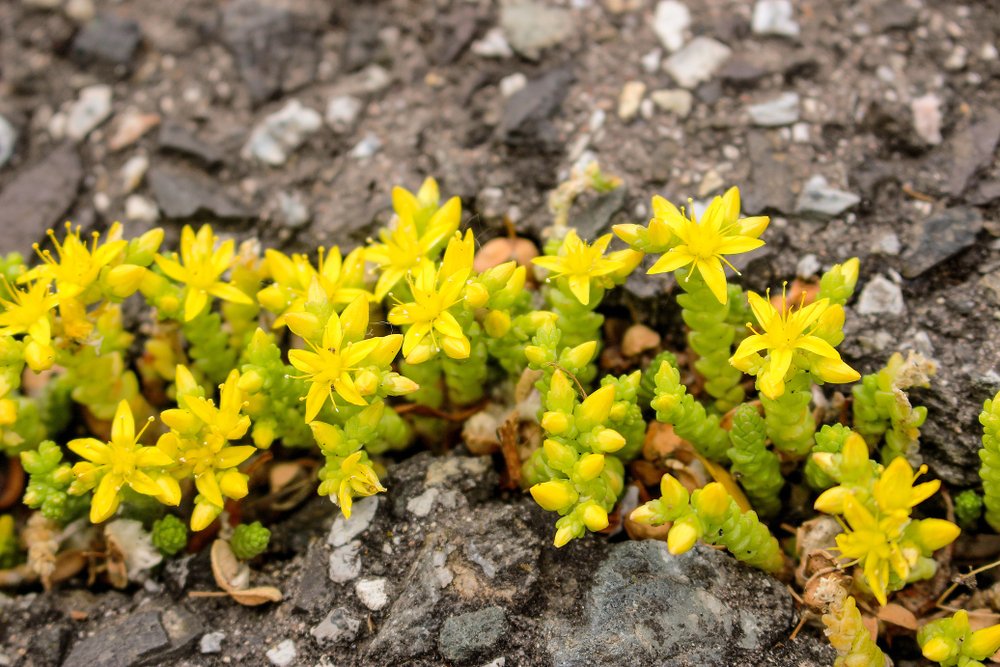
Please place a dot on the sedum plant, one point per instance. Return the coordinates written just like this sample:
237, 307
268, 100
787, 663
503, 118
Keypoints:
989, 455
950, 641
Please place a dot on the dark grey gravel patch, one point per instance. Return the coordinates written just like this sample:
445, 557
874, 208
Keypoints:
972, 148
938, 237
37, 199
467, 636
132, 641
771, 175
184, 193
175, 138
107, 40
526, 120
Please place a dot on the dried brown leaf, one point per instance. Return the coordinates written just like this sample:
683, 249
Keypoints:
508, 433
282, 474
226, 568
252, 597
639, 338
898, 615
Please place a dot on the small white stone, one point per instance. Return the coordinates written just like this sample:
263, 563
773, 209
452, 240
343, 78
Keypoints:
675, 101
345, 530
629, 100
888, 244
800, 133
91, 108
808, 266
957, 59
596, 121
774, 17
138, 207
881, 296
927, 118
102, 202
367, 147
211, 642
492, 45
8, 138
283, 654
989, 52
372, 593
651, 61
345, 563
697, 62
670, 20
512, 83
782, 110
342, 111
710, 182
80, 11
423, 504
730, 152
133, 171
281, 133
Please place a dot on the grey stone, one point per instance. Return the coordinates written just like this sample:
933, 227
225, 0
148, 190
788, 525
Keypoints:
91, 108
8, 139
108, 39
492, 45
342, 112
362, 43
526, 114
275, 50
345, 563
281, 133
345, 530
308, 595
184, 193
174, 137
38, 198
782, 110
938, 237
211, 642
676, 101
367, 147
820, 200
971, 148
927, 118
338, 626
128, 642
592, 217
283, 654
881, 296
531, 28
770, 174
774, 17
372, 593
741, 73
670, 20
697, 62
471, 635
646, 607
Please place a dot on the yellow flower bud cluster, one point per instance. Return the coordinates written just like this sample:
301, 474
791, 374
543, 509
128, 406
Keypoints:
950, 641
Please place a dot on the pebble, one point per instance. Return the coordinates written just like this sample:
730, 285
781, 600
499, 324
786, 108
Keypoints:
367, 147
808, 266
710, 182
132, 126
345, 563
342, 112
8, 139
881, 296
38, 197
801, 133
927, 118
138, 207
630, 99
422, 504
345, 530
782, 110
676, 101
283, 654
820, 200
888, 244
281, 133
957, 59
651, 61
531, 28
102, 202
372, 593
293, 210
466, 635
774, 17
108, 39
512, 83
133, 171
92, 107
492, 45
338, 626
940, 236
80, 11
670, 20
211, 642
697, 61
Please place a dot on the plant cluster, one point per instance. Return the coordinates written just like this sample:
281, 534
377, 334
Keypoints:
244, 350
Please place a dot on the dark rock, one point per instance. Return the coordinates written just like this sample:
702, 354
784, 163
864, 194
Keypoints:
709, 92
467, 636
892, 124
38, 198
741, 73
108, 40
132, 641
526, 115
597, 213
275, 50
454, 38
938, 237
770, 177
174, 137
362, 42
893, 16
972, 147
986, 192
184, 193
307, 596
646, 607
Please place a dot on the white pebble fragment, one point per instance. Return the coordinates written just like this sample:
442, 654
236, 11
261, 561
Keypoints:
630, 99
774, 17
281, 133
342, 111
881, 296
697, 61
670, 20
927, 118
211, 642
283, 654
91, 108
372, 593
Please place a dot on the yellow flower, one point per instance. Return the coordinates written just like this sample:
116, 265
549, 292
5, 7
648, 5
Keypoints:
405, 245
76, 266
582, 265
704, 245
357, 480
419, 207
340, 278
200, 267
27, 312
118, 463
222, 423
784, 333
334, 365
894, 490
431, 326
875, 544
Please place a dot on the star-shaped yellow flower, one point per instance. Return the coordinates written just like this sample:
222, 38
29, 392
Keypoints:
783, 334
341, 279
28, 311
76, 267
582, 265
200, 267
703, 245
118, 463
332, 367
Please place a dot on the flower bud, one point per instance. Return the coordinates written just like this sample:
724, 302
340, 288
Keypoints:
398, 385
672, 492
142, 249
581, 355
937, 533
590, 466
555, 423
251, 382
420, 354
596, 408
456, 348
535, 355
496, 323
939, 649
595, 517
181, 420
983, 643
264, 434
629, 233
124, 280
610, 440
203, 515
644, 514
554, 495
8, 412
560, 456
831, 501
366, 382
303, 324
39, 357
170, 490
683, 535
476, 295
233, 484
272, 298
563, 536
712, 502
